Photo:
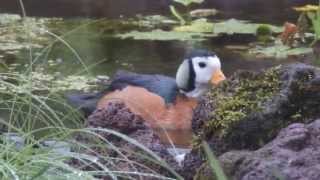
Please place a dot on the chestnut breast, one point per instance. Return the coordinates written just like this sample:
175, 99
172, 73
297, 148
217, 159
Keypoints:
153, 109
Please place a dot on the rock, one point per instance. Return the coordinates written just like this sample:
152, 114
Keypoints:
178, 153
291, 155
118, 117
191, 164
249, 109
16, 140
59, 147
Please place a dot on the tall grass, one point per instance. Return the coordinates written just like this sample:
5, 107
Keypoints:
37, 117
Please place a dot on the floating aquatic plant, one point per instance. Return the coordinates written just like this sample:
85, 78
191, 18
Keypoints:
279, 51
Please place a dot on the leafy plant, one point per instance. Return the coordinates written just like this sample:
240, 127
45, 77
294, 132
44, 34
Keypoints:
188, 2
185, 3
279, 51
313, 13
37, 116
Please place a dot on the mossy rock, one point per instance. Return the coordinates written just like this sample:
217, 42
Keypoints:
249, 109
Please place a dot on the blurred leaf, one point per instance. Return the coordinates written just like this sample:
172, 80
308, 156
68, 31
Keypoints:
234, 26
188, 2
279, 51
213, 162
6, 19
177, 15
200, 25
306, 8
203, 12
165, 35
3, 67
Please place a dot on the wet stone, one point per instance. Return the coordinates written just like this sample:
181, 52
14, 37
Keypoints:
15, 139
116, 116
237, 116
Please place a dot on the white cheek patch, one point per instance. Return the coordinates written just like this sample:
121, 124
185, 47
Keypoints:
203, 75
214, 62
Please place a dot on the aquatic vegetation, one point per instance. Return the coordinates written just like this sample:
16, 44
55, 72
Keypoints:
185, 3
199, 29
201, 13
199, 25
264, 34
161, 35
33, 106
279, 51
234, 26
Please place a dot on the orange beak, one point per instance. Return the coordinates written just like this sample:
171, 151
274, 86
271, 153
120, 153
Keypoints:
217, 77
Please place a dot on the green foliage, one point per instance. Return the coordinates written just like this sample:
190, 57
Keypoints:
184, 3
264, 33
313, 13
188, 2
315, 20
33, 106
176, 14
201, 13
213, 162
161, 35
234, 26
198, 30
279, 51
234, 103
199, 25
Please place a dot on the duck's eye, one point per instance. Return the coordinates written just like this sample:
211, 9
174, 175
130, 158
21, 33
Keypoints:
202, 64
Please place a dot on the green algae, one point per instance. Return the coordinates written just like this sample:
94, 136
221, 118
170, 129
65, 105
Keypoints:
239, 97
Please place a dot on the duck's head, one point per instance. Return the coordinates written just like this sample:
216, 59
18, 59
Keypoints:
198, 71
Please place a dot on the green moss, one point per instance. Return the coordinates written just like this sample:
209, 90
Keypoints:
264, 33
237, 98
263, 30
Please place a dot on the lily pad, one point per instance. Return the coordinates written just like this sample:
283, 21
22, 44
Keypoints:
203, 12
234, 26
279, 51
153, 21
200, 25
6, 19
43, 82
161, 35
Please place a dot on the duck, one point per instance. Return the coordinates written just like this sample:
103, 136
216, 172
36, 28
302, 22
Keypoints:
163, 102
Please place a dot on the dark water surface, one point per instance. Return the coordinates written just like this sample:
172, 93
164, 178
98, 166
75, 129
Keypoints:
149, 56
263, 10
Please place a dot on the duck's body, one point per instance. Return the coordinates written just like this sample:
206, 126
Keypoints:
164, 86
163, 102
153, 108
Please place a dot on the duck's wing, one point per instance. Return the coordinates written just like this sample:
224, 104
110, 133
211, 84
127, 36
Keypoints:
163, 86
86, 102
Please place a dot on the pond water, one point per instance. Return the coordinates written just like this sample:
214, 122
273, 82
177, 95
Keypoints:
148, 56
145, 56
